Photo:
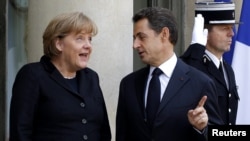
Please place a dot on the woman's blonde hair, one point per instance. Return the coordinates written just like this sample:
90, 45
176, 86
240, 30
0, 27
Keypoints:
61, 26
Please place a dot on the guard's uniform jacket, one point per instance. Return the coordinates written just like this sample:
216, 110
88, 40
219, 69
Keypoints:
227, 97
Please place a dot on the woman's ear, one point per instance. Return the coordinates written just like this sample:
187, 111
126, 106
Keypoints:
59, 44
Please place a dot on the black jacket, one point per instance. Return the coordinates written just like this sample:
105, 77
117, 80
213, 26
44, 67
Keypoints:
45, 108
227, 98
185, 88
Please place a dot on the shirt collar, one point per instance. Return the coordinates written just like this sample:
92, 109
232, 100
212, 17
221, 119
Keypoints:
167, 67
214, 58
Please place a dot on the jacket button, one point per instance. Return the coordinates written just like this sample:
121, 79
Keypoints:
84, 121
85, 137
229, 95
82, 104
229, 110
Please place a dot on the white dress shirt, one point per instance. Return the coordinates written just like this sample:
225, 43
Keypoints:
167, 68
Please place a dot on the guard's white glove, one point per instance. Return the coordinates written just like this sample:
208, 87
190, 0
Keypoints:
199, 34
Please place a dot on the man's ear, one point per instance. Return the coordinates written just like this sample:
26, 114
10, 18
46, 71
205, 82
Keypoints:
165, 33
59, 44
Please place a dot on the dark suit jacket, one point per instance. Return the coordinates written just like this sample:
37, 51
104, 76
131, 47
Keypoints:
185, 88
228, 98
45, 108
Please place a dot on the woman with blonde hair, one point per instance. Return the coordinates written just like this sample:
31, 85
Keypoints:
59, 98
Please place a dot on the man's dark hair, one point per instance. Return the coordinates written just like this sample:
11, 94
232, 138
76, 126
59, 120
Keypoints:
159, 18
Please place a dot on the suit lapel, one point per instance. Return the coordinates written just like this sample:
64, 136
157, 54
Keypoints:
177, 80
141, 81
229, 74
55, 74
60, 80
214, 71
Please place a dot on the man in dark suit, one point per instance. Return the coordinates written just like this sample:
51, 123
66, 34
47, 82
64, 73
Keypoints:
187, 99
206, 53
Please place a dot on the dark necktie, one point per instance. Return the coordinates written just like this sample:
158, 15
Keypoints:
221, 69
153, 99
